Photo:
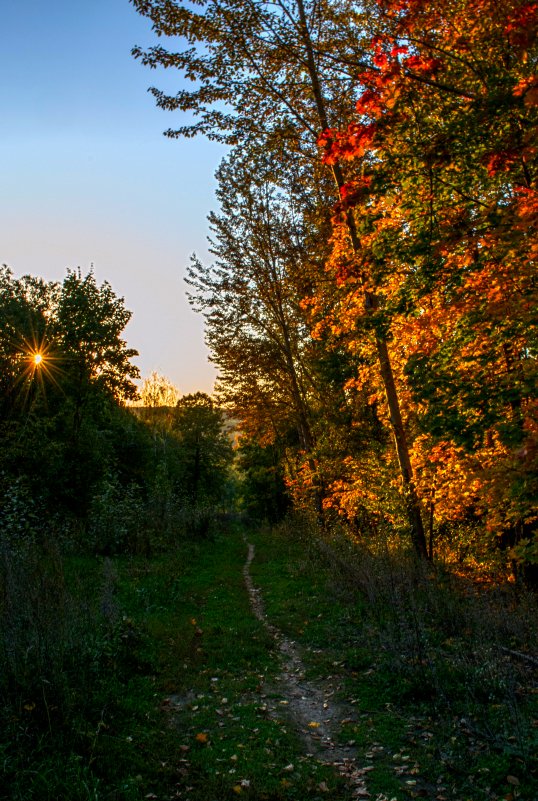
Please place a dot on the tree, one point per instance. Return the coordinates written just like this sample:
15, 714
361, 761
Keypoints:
159, 397
25, 305
263, 494
283, 73
87, 323
251, 296
60, 424
157, 391
205, 450
442, 194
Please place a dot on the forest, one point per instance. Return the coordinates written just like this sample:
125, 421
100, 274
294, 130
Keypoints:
319, 582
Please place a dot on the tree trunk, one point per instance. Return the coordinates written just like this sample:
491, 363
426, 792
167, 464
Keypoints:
402, 449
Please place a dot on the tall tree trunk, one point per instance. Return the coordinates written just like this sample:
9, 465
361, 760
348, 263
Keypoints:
402, 449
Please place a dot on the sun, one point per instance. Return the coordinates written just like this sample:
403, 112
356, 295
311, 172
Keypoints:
42, 364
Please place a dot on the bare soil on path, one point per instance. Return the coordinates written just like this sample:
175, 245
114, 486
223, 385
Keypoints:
310, 707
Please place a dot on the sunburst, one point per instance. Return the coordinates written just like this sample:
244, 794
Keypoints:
40, 367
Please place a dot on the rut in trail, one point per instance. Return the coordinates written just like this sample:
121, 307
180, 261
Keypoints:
310, 707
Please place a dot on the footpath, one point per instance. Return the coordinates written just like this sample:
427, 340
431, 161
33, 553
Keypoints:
270, 675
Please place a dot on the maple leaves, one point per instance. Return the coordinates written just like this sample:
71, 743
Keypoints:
440, 184
428, 118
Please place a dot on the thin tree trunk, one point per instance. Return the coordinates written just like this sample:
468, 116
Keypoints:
402, 449
430, 533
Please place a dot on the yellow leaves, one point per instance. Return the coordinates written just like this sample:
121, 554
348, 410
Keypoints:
242, 785
314, 724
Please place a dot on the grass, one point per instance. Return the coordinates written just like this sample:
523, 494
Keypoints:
442, 711
173, 703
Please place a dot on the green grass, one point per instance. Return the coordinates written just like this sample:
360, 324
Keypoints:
175, 708
435, 718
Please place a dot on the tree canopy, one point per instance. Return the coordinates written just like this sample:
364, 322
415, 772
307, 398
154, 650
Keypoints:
424, 291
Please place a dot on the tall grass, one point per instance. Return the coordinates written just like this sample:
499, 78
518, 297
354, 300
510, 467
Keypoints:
55, 634
462, 648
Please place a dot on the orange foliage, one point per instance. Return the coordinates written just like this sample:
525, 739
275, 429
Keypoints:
440, 168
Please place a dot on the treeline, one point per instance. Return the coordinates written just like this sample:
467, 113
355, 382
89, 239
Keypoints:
78, 467
86, 482
372, 302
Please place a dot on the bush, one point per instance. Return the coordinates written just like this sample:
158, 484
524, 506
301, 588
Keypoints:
117, 519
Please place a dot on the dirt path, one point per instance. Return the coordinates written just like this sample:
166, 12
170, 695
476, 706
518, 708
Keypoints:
309, 707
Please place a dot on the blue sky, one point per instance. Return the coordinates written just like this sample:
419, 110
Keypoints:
86, 175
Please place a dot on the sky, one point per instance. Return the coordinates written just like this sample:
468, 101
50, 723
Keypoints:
87, 177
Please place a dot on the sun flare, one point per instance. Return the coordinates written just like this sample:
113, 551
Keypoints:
41, 365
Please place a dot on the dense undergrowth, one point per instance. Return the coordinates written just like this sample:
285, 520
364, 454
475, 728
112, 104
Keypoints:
135, 677
439, 669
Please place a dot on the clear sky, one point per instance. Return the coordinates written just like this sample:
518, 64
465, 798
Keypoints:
86, 175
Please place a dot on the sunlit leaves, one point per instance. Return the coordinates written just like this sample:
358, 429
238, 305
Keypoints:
442, 159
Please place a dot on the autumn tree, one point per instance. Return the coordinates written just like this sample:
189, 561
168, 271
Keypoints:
276, 75
265, 262
158, 391
159, 397
441, 168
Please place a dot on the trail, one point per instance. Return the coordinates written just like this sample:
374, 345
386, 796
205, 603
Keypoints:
310, 707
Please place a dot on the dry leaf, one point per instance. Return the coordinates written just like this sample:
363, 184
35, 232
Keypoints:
202, 737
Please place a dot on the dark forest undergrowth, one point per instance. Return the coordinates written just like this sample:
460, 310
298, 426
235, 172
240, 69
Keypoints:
133, 678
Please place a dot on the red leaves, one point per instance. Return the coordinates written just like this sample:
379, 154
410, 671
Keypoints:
381, 59
350, 144
502, 161
421, 65
446, 221
349, 191
369, 103
527, 88
521, 27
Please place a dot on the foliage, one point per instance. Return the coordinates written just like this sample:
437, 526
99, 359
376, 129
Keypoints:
426, 119
440, 187
262, 490
116, 518
265, 251
205, 452
246, 66
61, 414
87, 324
